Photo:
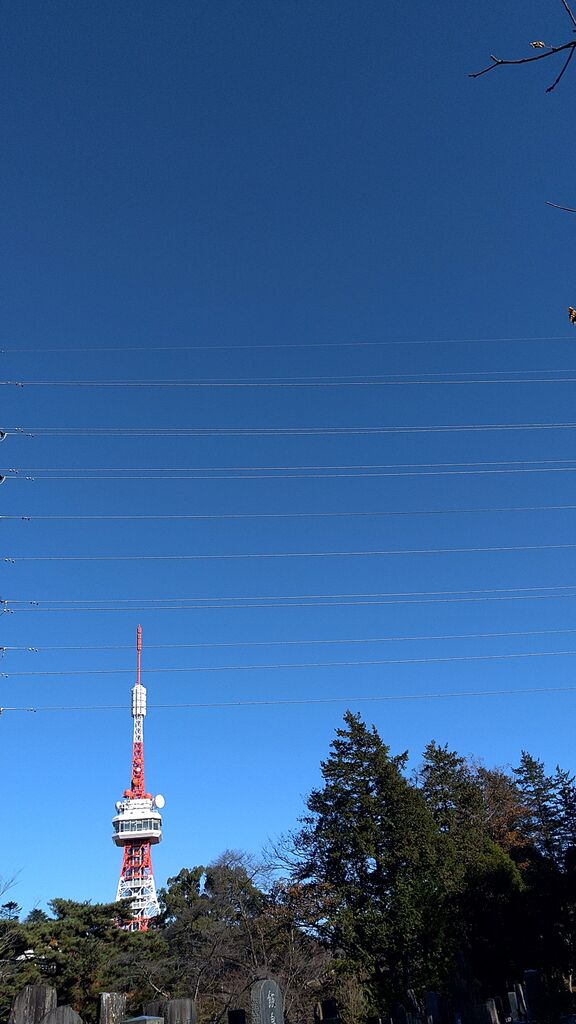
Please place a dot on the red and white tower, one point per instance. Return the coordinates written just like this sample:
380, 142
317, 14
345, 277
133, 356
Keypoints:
138, 823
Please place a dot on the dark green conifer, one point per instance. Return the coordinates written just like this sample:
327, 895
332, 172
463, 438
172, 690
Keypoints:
369, 854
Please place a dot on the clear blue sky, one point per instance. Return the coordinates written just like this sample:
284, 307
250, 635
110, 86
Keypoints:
271, 174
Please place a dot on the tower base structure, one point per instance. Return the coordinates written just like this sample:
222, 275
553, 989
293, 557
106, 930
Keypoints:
137, 885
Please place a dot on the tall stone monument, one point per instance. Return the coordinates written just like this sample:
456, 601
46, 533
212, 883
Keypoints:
111, 1007
267, 1003
32, 1003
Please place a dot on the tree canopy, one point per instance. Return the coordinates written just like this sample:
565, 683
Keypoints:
455, 879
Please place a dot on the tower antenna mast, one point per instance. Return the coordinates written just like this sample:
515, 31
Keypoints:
138, 822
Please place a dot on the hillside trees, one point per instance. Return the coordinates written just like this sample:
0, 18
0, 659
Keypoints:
228, 925
369, 858
482, 883
548, 866
405, 880
456, 878
79, 949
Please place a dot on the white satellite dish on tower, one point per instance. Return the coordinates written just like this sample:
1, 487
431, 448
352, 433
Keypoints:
118, 805
159, 801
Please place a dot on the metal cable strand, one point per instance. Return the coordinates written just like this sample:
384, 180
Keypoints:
278, 702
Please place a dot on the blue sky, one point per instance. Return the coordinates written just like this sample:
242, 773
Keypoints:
233, 176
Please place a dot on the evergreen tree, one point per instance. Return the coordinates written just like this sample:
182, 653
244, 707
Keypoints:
36, 916
82, 951
10, 911
565, 808
451, 790
548, 868
368, 854
542, 819
482, 881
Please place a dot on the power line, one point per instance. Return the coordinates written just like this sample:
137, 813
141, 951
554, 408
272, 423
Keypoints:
297, 515
111, 609
290, 601
283, 468
280, 431
383, 553
281, 345
299, 378
290, 666
18, 477
276, 702
304, 597
289, 643
294, 515
273, 472
306, 382
301, 597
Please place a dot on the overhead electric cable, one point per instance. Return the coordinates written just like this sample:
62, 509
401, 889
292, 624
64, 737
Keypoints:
289, 643
310, 473
111, 609
313, 377
295, 515
290, 666
283, 468
301, 597
306, 382
296, 597
281, 431
282, 345
230, 556
19, 477
279, 702
541, 593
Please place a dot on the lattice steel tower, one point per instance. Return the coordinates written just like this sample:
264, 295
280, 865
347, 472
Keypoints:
138, 823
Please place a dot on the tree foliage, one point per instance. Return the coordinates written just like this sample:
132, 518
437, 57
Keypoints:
369, 854
455, 878
228, 925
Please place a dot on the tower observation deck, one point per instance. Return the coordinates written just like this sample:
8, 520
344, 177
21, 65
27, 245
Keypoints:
138, 822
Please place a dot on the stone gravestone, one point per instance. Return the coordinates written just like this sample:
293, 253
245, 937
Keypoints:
485, 1013
32, 1003
62, 1015
534, 995
514, 1008
522, 1008
500, 1009
144, 1019
432, 1008
179, 1011
111, 1008
327, 1012
153, 1008
266, 1003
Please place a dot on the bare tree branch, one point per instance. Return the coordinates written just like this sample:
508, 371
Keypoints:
569, 13
561, 75
568, 209
498, 61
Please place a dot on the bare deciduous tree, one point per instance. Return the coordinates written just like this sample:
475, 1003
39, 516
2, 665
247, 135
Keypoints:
548, 51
